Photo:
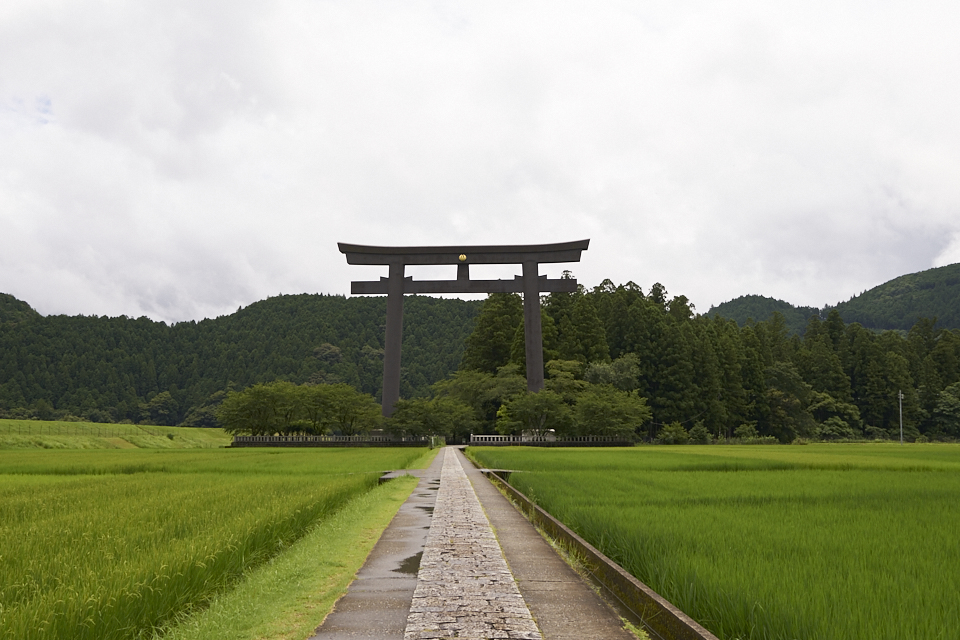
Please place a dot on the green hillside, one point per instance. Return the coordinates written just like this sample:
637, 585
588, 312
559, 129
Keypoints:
934, 293
13, 311
112, 369
894, 305
761, 308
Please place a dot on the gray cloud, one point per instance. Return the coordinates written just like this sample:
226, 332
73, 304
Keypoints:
179, 160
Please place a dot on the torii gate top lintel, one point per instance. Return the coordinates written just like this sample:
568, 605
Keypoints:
530, 284
474, 254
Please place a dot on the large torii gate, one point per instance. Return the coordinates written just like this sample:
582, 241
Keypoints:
530, 284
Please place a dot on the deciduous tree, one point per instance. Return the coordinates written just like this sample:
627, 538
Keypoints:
536, 414
602, 410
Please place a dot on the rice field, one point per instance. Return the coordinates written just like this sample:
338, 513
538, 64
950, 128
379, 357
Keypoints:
821, 541
117, 544
37, 434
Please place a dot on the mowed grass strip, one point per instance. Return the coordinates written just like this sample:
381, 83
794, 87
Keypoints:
831, 541
121, 553
289, 596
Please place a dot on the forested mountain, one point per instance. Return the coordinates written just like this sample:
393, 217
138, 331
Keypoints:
136, 369
897, 304
840, 380
13, 311
746, 308
934, 293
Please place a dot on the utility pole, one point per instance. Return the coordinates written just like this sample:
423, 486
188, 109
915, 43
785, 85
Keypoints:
900, 396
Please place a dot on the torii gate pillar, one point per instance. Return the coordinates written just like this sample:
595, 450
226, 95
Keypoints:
530, 284
532, 331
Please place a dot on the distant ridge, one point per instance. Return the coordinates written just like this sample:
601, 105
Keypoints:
894, 305
934, 293
14, 311
760, 308
106, 369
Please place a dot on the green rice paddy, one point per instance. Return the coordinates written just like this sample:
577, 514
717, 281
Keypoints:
109, 544
37, 434
822, 541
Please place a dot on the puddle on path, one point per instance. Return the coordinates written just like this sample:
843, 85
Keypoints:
427, 509
410, 565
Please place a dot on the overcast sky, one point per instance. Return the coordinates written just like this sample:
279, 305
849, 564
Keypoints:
181, 159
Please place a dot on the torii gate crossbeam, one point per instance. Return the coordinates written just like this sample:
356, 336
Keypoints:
530, 284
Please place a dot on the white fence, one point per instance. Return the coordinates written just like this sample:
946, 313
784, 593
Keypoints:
549, 439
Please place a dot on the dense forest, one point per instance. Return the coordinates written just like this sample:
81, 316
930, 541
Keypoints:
115, 369
894, 305
613, 349
838, 381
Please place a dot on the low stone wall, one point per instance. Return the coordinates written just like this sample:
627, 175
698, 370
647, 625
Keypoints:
327, 441
658, 615
533, 441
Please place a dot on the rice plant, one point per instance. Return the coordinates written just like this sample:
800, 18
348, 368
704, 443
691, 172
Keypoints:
97, 546
848, 541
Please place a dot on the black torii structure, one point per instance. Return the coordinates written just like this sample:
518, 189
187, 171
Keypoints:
531, 284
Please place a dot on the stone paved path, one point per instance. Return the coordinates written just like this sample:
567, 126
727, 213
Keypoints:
563, 605
483, 601
464, 587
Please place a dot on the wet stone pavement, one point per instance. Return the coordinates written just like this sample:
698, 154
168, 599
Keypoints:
377, 603
438, 571
464, 587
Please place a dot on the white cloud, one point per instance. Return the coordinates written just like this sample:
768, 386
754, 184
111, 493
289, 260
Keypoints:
178, 160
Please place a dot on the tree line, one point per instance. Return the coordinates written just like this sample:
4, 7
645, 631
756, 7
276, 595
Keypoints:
468, 402
284, 408
618, 360
837, 381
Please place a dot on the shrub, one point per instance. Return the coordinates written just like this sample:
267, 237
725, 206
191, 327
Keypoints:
673, 433
746, 431
834, 428
875, 433
700, 435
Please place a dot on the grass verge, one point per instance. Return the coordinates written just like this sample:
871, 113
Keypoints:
290, 596
424, 460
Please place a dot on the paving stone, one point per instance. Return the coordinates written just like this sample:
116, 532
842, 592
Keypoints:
464, 587
460, 594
